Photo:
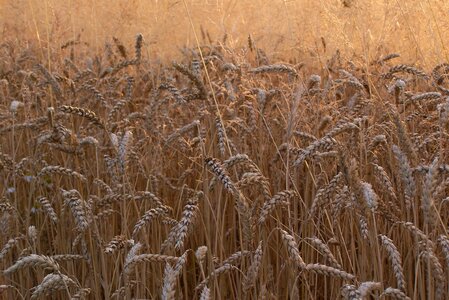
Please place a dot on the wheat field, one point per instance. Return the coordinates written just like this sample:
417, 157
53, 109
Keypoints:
224, 150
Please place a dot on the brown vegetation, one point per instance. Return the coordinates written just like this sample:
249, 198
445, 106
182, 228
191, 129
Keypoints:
224, 175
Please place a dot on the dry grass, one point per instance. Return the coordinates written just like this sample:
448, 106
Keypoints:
228, 174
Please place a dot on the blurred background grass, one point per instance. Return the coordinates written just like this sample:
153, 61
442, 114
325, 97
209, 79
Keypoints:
418, 30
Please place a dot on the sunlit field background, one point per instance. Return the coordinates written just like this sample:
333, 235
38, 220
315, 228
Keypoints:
224, 149
415, 29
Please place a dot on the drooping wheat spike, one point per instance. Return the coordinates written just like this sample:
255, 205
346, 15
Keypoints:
436, 270
404, 141
48, 209
325, 194
200, 254
444, 243
313, 82
395, 294
325, 251
255, 178
371, 198
196, 79
253, 270
145, 195
94, 91
49, 170
363, 225
350, 292
170, 277
395, 259
250, 43
218, 271
320, 145
116, 109
397, 89
148, 217
67, 257
406, 176
81, 294
133, 252
51, 116
5, 287
56, 88
292, 248
168, 288
33, 260
69, 63
405, 69
221, 136
350, 80
123, 64
439, 71
324, 123
120, 293
342, 127
281, 198
195, 65
136, 259
83, 112
304, 135
183, 130
51, 283
6, 162
9, 245
118, 242
328, 271
386, 58
120, 47
365, 288
426, 97
32, 234
130, 82
418, 233
188, 218
174, 92
72, 199
218, 170
104, 214
430, 183
138, 47
102, 185
123, 150
276, 68
240, 159
384, 180
205, 294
